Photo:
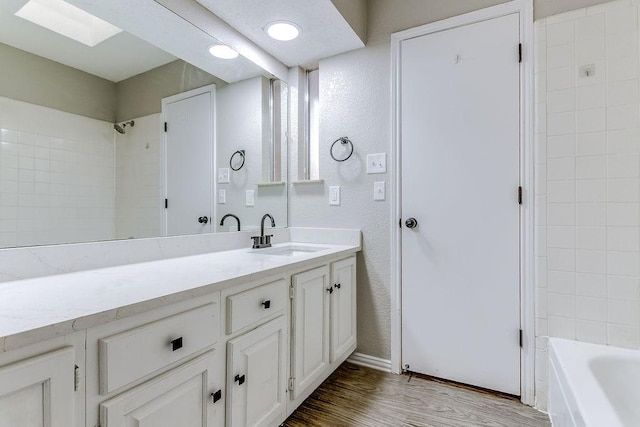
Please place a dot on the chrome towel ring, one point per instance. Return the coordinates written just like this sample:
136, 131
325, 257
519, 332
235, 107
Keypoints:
344, 140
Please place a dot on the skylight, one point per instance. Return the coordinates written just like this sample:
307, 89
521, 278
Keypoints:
68, 20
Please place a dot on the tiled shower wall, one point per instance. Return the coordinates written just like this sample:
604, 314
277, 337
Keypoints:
138, 191
588, 179
57, 176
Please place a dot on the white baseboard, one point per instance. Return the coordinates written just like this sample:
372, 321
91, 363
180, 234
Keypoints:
370, 362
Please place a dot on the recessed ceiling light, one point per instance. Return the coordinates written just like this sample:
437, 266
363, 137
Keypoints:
283, 30
223, 52
68, 20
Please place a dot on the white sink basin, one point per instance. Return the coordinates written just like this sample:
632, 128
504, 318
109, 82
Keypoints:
290, 250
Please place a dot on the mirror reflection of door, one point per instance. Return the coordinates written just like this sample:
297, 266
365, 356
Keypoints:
188, 160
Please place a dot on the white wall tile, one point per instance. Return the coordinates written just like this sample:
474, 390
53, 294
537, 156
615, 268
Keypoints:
561, 146
590, 27
591, 285
560, 33
561, 259
561, 169
561, 123
624, 312
561, 305
623, 190
623, 239
623, 336
590, 261
591, 331
623, 263
622, 92
561, 191
560, 78
561, 282
562, 100
622, 68
622, 117
588, 308
591, 167
623, 288
623, 166
623, 214
594, 238
591, 190
562, 327
561, 214
593, 120
593, 96
623, 141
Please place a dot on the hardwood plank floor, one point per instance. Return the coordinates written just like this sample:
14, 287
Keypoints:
358, 396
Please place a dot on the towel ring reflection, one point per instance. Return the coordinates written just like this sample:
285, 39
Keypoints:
241, 154
342, 140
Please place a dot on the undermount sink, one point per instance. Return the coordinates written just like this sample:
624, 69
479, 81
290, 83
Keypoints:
290, 250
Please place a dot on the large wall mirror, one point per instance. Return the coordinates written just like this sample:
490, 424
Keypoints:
84, 154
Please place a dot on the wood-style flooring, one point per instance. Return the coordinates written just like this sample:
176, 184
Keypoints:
358, 396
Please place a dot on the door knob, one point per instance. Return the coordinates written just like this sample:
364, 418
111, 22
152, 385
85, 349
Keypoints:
203, 219
411, 223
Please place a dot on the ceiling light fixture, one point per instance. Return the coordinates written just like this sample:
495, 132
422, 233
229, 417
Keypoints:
223, 52
283, 30
68, 20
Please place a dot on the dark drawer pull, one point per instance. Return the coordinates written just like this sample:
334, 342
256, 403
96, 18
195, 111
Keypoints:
330, 290
216, 396
266, 304
239, 379
337, 285
176, 344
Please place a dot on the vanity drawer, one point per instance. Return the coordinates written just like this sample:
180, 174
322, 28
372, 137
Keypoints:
131, 355
251, 306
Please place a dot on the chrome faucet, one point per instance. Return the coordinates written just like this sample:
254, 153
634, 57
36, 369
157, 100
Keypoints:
227, 216
263, 241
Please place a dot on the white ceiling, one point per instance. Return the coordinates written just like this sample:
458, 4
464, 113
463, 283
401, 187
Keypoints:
115, 59
325, 32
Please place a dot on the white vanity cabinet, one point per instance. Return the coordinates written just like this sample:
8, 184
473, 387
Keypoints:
257, 352
40, 385
165, 367
323, 325
343, 309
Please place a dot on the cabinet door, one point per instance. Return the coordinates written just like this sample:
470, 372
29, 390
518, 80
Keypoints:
188, 396
38, 392
310, 344
343, 308
256, 376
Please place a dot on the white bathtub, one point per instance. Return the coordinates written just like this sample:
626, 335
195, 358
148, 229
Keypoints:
593, 385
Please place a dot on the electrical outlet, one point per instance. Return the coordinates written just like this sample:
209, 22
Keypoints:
334, 195
249, 199
223, 176
222, 197
377, 163
378, 190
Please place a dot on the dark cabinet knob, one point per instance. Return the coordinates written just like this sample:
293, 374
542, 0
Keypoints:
216, 396
411, 223
266, 304
330, 290
203, 219
176, 344
337, 285
239, 379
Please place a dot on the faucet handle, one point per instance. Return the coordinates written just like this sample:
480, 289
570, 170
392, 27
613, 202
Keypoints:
256, 242
267, 239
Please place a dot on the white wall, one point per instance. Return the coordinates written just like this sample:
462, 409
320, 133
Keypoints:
588, 179
241, 109
138, 187
56, 176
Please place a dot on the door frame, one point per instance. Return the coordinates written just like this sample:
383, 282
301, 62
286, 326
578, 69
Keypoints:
527, 253
212, 151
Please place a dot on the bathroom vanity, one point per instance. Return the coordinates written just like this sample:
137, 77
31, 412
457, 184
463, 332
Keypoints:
237, 338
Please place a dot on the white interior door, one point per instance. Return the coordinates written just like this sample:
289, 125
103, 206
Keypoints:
188, 162
460, 177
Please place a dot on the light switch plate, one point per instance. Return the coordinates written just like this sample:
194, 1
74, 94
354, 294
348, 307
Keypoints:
223, 176
377, 163
249, 199
222, 197
379, 191
334, 195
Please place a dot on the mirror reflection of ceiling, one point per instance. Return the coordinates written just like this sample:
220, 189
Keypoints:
115, 59
329, 27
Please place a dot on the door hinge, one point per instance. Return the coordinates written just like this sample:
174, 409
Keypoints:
520, 52
291, 291
400, 223
520, 338
165, 126
166, 203
291, 380
519, 195
76, 378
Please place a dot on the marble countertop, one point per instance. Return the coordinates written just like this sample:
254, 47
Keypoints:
33, 310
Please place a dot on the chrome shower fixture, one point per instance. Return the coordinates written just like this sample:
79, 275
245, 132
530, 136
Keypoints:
121, 128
